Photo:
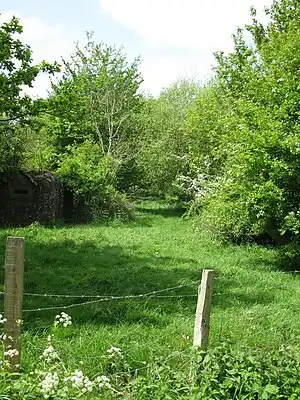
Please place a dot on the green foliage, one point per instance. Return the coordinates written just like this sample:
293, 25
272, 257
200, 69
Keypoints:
163, 148
230, 149
11, 146
17, 71
226, 373
252, 184
93, 111
16, 74
39, 151
97, 97
205, 127
85, 171
92, 177
252, 307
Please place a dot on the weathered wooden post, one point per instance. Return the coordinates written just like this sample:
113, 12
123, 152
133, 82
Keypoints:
13, 299
204, 303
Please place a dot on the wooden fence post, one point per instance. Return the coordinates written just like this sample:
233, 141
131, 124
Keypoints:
202, 320
13, 299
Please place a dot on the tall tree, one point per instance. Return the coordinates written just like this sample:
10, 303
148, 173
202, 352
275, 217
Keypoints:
97, 96
94, 106
163, 147
17, 72
257, 188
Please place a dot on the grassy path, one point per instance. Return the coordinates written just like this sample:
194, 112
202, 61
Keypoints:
254, 304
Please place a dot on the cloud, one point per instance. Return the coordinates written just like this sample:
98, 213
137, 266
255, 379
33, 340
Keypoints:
177, 37
191, 30
197, 25
48, 42
160, 71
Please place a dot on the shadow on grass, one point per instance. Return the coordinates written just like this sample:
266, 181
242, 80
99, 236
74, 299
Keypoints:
62, 266
288, 258
66, 267
165, 212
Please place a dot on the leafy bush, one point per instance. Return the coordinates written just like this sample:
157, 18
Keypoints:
226, 373
252, 147
163, 147
92, 178
17, 72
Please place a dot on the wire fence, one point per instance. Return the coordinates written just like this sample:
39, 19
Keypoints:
205, 295
159, 294
155, 294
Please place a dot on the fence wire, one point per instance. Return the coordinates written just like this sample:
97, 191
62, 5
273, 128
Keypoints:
105, 298
83, 296
101, 298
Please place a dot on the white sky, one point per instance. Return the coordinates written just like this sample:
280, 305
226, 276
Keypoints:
175, 38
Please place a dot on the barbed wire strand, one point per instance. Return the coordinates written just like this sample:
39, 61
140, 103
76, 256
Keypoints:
58, 307
105, 299
82, 296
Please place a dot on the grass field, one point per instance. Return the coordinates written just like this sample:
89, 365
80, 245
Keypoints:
254, 303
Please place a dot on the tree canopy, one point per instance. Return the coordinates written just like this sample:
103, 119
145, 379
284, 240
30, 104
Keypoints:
17, 72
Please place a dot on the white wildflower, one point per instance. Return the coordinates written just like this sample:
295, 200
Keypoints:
49, 384
11, 353
80, 382
114, 351
2, 319
103, 382
49, 354
63, 319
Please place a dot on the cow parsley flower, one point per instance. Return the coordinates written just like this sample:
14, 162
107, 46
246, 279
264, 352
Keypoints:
114, 351
49, 354
49, 385
80, 382
2, 319
11, 353
103, 382
63, 319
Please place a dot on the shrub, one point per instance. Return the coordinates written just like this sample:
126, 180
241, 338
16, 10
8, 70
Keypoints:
92, 178
227, 373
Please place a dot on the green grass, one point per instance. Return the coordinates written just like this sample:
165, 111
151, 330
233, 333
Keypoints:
254, 303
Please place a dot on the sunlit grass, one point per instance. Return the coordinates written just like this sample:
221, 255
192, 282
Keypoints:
254, 304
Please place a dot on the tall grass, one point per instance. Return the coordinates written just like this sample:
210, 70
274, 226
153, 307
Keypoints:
255, 304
